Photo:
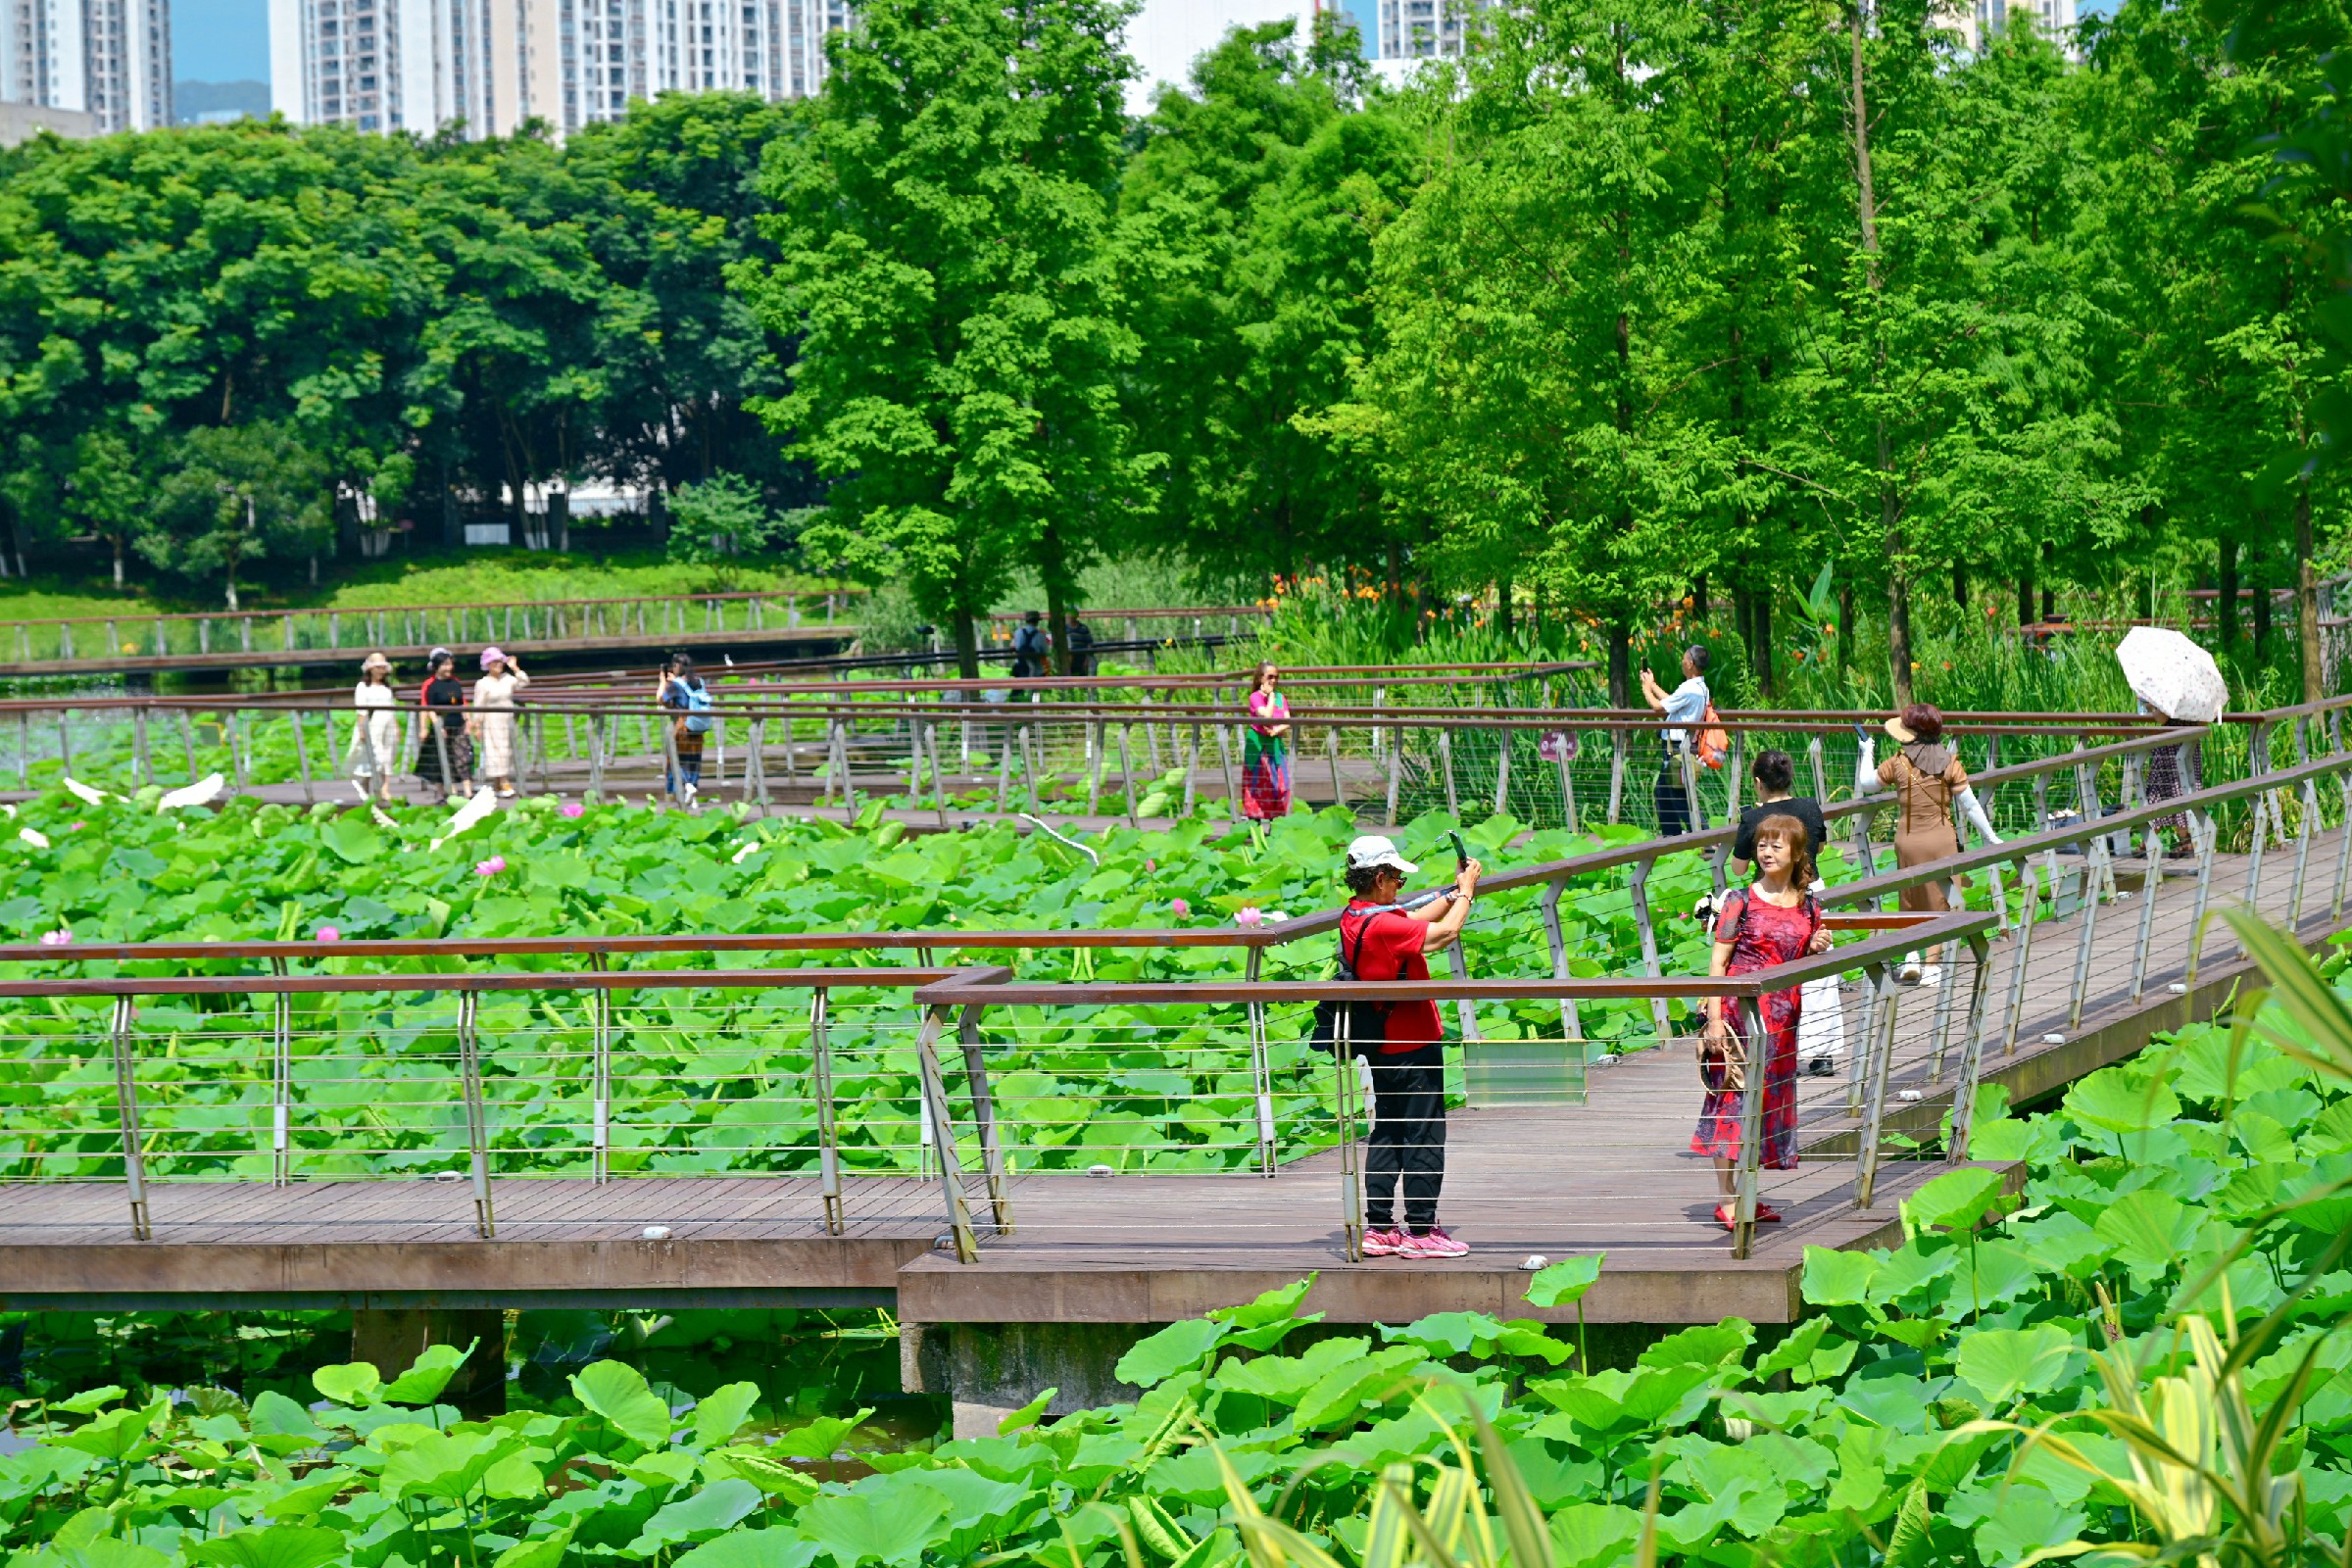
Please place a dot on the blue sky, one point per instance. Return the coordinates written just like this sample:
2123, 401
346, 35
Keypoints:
220, 40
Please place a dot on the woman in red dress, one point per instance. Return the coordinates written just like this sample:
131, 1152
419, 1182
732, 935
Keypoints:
1773, 921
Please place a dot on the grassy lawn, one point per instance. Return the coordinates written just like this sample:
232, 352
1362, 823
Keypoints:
473, 577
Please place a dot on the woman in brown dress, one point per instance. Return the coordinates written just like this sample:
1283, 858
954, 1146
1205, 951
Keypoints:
1930, 787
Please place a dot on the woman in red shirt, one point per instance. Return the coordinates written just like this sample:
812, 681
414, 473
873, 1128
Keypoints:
1382, 941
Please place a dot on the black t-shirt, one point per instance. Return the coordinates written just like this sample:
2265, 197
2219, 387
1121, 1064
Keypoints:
1801, 806
446, 695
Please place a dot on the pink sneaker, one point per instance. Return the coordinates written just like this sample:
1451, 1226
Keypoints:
1437, 1244
1383, 1243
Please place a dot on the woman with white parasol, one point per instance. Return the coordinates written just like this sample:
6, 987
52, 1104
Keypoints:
2177, 682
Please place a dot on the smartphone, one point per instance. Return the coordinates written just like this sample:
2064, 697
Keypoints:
1861, 732
1461, 851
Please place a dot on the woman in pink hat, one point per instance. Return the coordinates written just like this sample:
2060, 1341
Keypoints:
494, 707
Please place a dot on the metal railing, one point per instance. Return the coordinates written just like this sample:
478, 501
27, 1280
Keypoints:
628, 619
835, 746
145, 1079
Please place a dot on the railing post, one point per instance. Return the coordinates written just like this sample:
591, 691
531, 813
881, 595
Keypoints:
1127, 778
1572, 1025
1751, 1128
1875, 1071
477, 1133
2262, 806
935, 1110
984, 1118
1453, 805
1465, 1010
1396, 761
2311, 815
1616, 775
126, 1114
1261, 1066
1943, 1027
2096, 867
2020, 952
142, 765
600, 1071
1972, 1049
1346, 1114
1639, 890
302, 755
282, 1079
596, 756
828, 1132
1821, 779
2151, 883
2343, 849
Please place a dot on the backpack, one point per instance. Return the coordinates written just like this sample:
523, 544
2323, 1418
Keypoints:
698, 708
1368, 1021
1713, 744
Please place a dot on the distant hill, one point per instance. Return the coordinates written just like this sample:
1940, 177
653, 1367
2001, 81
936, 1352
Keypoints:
201, 103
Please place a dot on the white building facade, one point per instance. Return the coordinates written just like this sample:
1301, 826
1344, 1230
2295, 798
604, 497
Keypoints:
110, 59
494, 65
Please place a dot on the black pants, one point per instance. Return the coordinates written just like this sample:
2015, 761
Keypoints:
1408, 1137
1673, 802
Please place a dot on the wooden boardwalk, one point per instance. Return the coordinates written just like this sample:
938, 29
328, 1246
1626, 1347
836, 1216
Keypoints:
1612, 1174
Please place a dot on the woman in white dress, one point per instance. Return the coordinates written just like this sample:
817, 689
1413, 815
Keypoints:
375, 735
494, 710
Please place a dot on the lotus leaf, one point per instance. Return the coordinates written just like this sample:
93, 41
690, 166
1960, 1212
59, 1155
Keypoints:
619, 1394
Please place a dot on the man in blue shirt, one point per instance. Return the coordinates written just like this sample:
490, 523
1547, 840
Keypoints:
1684, 706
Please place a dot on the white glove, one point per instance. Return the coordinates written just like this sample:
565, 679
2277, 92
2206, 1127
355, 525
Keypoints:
1974, 810
1866, 772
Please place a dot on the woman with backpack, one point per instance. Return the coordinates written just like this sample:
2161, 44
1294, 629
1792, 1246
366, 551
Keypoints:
494, 700
1381, 939
1774, 919
684, 693
1684, 708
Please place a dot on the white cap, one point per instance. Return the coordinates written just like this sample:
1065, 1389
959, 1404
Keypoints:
1375, 850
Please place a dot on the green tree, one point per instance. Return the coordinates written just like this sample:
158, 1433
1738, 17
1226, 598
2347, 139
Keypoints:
1249, 216
239, 493
945, 262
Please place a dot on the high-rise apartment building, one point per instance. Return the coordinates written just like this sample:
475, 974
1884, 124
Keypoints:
420, 64
111, 59
1977, 21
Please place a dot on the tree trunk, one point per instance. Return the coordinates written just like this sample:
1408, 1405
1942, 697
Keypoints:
1960, 584
2025, 597
1866, 212
232, 591
1846, 627
2049, 595
2262, 609
1698, 597
2225, 603
967, 641
1898, 635
2307, 600
1759, 648
118, 541
314, 568
1621, 665
1502, 605
2147, 598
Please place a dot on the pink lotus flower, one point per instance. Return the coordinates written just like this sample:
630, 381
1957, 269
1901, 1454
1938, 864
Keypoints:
57, 938
327, 933
1247, 914
1179, 909
574, 809
1150, 865
76, 827
490, 867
